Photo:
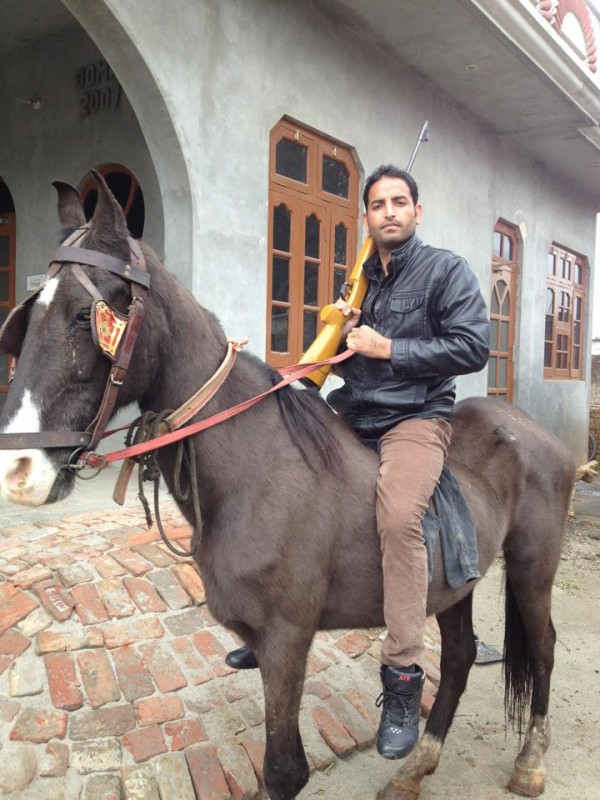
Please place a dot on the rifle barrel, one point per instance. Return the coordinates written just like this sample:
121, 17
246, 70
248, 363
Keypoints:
423, 137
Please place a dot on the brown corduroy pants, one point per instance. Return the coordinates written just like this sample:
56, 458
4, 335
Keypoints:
411, 459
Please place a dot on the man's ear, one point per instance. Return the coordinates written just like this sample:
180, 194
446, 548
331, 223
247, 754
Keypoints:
418, 213
365, 226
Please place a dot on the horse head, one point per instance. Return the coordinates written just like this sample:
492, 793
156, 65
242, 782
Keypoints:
68, 338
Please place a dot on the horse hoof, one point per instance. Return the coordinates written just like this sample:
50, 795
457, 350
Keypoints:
527, 782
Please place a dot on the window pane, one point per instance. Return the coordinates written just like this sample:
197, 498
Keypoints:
549, 301
497, 244
551, 264
279, 330
311, 239
310, 329
507, 248
3, 315
492, 373
502, 375
494, 303
335, 177
494, 334
548, 333
281, 228
504, 336
578, 308
578, 273
577, 333
311, 283
505, 304
339, 278
4, 284
341, 242
564, 308
4, 254
568, 265
291, 160
548, 354
281, 279
576, 352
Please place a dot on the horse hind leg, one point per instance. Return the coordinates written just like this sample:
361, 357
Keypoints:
458, 655
529, 658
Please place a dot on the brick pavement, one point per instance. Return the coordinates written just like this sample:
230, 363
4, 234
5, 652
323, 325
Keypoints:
112, 679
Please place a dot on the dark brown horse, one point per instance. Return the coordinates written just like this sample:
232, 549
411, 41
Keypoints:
289, 543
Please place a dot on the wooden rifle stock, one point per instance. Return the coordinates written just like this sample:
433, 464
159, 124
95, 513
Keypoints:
329, 337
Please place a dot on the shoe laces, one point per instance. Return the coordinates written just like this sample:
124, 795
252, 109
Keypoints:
395, 706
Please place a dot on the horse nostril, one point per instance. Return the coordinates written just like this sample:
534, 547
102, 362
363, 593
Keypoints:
17, 476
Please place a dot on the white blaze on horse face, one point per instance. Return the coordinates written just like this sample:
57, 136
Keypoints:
48, 292
26, 476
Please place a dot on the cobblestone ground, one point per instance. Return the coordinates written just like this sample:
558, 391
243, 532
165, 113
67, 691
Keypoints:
112, 679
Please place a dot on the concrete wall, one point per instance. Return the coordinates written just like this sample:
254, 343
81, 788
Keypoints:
209, 80
55, 143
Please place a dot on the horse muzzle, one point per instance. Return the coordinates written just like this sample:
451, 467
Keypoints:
29, 478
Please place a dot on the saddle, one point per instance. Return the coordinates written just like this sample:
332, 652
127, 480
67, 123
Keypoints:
449, 520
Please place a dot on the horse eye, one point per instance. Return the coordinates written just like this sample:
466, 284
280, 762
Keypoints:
83, 318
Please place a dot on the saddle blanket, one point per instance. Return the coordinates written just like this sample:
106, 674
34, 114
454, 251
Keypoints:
449, 520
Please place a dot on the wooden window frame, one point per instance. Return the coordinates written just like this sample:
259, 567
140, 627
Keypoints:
562, 284
303, 199
8, 228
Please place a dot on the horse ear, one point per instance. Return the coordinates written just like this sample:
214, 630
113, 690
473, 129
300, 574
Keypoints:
108, 218
70, 207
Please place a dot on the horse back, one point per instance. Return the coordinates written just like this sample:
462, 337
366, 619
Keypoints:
507, 462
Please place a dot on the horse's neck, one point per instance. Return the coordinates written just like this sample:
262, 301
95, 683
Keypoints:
186, 345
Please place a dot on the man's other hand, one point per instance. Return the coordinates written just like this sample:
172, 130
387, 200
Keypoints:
367, 342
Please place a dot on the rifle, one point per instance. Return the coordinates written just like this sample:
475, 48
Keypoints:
329, 337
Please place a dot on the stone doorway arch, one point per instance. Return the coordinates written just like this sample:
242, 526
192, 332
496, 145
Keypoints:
118, 44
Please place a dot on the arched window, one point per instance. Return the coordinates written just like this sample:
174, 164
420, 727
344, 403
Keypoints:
313, 218
503, 305
125, 187
566, 275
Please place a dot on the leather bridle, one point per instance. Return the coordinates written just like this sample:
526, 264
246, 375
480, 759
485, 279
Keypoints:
114, 334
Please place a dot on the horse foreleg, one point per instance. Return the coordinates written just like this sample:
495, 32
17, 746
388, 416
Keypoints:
282, 661
458, 655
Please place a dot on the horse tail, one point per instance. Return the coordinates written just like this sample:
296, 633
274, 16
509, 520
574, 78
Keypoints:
518, 671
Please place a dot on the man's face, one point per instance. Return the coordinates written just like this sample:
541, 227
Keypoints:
391, 216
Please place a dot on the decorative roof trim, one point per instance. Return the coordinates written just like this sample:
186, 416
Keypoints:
520, 25
555, 11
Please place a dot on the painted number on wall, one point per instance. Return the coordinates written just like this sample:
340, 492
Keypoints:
98, 88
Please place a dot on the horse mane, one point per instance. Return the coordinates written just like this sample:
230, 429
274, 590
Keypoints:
309, 421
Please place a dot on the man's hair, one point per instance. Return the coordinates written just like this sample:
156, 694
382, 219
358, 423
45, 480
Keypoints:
390, 171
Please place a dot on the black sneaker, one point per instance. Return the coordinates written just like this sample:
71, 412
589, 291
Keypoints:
242, 658
401, 700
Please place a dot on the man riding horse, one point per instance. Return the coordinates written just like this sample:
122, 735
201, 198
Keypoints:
423, 321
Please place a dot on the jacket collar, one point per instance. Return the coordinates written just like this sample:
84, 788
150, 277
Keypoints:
398, 261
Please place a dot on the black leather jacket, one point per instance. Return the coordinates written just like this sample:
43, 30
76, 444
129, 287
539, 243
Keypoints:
430, 305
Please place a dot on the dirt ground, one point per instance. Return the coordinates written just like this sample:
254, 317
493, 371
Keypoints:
477, 759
